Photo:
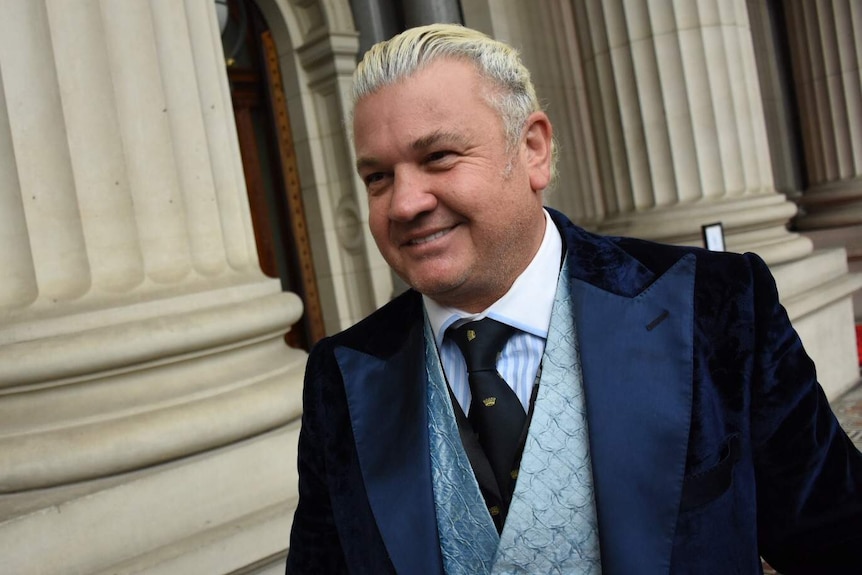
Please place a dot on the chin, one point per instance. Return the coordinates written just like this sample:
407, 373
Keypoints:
433, 287
438, 279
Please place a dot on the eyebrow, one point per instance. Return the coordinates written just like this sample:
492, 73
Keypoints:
436, 138
419, 144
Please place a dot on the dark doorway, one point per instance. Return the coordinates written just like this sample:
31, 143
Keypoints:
269, 162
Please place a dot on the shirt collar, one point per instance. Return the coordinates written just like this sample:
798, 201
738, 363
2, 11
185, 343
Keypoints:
528, 303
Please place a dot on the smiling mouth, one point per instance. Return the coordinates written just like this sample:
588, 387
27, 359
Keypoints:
431, 238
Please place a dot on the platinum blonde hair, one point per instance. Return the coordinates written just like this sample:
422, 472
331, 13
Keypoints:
511, 90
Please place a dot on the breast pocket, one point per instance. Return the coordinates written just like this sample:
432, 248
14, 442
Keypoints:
707, 485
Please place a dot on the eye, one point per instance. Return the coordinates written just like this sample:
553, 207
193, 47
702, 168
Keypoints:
373, 178
375, 182
439, 157
434, 156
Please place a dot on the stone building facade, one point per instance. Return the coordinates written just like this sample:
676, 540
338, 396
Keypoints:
149, 406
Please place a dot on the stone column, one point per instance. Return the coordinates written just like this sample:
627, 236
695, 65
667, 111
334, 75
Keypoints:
421, 12
138, 337
773, 70
825, 45
376, 21
682, 141
545, 34
658, 111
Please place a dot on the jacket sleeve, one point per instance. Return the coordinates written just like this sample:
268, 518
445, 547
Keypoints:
314, 540
808, 472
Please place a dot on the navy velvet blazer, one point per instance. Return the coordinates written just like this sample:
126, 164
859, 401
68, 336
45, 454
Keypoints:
711, 440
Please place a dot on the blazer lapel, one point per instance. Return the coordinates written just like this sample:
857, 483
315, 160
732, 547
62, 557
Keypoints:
386, 398
636, 355
636, 339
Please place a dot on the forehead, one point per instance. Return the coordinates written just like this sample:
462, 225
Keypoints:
445, 92
434, 70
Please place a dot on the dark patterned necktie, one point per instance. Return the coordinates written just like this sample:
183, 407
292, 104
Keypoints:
496, 414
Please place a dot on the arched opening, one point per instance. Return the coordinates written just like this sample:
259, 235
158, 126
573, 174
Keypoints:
269, 161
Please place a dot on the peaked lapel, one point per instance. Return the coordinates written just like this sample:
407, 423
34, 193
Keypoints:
386, 397
636, 338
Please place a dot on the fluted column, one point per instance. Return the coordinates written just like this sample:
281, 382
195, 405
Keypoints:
136, 327
56, 238
679, 125
544, 32
16, 258
421, 12
376, 21
825, 46
825, 39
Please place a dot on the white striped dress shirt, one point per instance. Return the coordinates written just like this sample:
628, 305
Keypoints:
526, 306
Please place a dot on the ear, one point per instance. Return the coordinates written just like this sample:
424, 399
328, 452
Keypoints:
538, 150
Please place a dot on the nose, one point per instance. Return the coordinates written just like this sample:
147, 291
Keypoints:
412, 195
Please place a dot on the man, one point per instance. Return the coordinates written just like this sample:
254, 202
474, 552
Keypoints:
658, 413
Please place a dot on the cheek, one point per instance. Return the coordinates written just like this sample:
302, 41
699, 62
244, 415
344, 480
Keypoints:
377, 220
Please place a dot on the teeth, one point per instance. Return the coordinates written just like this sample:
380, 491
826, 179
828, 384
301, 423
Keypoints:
427, 239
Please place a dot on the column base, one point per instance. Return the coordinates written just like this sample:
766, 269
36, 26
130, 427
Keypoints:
128, 395
833, 205
221, 512
817, 293
755, 223
850, 238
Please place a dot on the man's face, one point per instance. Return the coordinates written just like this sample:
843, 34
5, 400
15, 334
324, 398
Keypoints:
456, 214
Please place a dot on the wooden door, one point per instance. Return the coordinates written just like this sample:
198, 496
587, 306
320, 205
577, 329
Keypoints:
269, 163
